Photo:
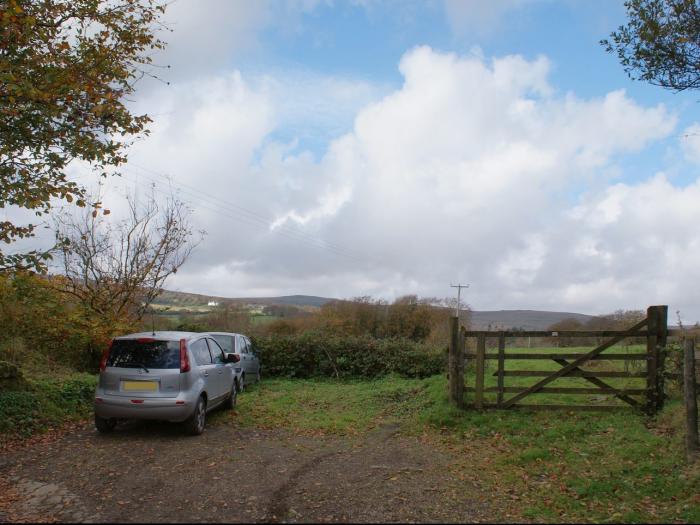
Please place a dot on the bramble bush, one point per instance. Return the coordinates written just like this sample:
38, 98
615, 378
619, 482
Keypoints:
45, 403
317, 354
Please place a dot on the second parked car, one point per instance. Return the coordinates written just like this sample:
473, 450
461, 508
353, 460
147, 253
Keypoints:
250, 367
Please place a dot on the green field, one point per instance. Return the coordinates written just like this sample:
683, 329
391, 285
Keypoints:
546, 365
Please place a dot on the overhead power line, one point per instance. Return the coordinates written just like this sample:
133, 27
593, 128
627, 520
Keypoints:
240, 208
239, 213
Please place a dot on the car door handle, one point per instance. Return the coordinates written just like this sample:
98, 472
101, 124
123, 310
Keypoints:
221, 371
206, 374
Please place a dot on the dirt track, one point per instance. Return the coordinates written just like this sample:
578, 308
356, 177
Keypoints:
151, 472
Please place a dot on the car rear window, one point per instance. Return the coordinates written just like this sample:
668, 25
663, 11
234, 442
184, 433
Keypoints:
135, 353
226, 342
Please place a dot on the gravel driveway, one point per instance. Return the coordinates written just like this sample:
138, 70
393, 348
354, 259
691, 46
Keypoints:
151, 472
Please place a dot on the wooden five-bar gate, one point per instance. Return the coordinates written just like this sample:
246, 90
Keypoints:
648, 398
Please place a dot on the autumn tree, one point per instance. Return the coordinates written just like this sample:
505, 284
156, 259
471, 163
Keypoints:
115, 269
410, 318
66, 70
360, 315
618, 320
660, 43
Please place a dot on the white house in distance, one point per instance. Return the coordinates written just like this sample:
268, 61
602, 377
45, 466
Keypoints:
213, 303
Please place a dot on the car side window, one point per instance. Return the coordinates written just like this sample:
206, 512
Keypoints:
217, 354
225, 342
242, 345
201, 352
250, 346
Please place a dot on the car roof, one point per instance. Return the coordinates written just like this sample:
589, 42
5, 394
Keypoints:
163, 335
225, 333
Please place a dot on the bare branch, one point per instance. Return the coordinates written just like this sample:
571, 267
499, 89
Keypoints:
117, 268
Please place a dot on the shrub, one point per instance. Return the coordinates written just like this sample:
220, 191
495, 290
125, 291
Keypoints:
45, 403
43, 327
11, 377
315, 354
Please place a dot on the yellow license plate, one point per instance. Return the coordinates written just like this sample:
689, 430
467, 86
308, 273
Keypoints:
149, 386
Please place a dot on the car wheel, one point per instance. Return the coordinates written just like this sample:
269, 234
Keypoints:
105, 425
258, 377
231, 402
241, 384
195, 424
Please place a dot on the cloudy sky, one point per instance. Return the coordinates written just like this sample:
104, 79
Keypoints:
346, 148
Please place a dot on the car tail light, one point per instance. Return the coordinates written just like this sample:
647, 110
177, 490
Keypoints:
184, 360
105, 356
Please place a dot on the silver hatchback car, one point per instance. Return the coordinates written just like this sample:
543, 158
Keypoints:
249, 366
172, 376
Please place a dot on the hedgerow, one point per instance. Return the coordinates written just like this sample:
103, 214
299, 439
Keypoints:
45, 403
316, 354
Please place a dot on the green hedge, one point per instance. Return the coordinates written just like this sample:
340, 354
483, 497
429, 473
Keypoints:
320, 355
45, 403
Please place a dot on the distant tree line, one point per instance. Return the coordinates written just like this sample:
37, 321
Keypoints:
618, 320
408, 317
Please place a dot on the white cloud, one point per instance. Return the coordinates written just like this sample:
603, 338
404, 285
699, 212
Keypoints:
467, 171
459, 171
644, 250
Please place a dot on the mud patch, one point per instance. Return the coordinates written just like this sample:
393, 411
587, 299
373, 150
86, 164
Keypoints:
151, 472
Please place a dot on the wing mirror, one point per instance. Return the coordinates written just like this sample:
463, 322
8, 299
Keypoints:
232, 358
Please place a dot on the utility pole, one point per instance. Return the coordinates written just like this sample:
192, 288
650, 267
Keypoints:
459, 294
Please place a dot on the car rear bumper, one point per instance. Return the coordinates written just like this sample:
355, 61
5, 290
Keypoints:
169, 409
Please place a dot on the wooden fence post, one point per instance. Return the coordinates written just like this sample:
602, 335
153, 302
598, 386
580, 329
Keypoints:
657, 328
453, 364
501, 366
692, 445
480, 358
661, 339
461, 350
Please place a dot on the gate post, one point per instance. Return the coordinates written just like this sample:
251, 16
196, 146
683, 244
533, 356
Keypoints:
657, 329
501, 366
461, 350
455, 365
692, 444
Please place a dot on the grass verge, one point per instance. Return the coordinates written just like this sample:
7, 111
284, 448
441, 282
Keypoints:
327, 406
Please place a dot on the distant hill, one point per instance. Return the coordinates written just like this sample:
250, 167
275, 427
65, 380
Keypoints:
169, 297
521, 319
296, 300
480, 320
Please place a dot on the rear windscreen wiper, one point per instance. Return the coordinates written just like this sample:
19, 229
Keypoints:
140, 365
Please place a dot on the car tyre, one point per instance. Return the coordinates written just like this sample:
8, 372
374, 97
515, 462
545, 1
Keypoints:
258, 377
196, 422
105, 425
231, 401
241, 383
